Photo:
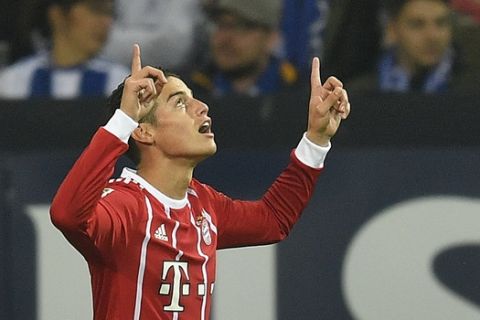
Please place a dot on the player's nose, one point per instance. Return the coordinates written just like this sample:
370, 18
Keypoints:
200, 107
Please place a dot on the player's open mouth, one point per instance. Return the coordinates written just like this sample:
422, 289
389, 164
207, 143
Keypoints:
205, 127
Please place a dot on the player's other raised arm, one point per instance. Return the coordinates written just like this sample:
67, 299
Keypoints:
327, 107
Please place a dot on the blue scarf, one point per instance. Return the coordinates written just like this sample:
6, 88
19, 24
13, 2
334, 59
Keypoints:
394, 78
303, 30
269, 81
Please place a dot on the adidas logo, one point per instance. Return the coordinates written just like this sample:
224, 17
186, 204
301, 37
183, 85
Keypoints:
161, 233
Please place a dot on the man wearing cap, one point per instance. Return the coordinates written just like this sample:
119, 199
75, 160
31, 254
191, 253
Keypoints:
69, 67
242, 43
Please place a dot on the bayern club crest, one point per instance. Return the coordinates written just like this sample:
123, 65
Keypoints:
207, 238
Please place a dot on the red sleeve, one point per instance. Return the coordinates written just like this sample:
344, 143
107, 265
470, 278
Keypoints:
270, 219
75, 208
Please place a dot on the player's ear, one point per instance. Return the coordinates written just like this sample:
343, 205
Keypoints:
143, 133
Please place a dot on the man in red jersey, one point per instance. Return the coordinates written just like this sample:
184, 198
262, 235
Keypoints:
150, 238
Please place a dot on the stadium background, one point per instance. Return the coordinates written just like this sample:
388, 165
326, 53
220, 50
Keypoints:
391, 233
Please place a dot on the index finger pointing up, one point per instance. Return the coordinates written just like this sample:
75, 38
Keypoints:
136, 60
315, 80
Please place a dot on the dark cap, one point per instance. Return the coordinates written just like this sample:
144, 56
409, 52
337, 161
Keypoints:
263, 12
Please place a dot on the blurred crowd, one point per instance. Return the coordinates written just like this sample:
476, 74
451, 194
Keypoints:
66, 49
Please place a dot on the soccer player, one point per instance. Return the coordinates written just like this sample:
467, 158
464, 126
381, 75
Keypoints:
150, 237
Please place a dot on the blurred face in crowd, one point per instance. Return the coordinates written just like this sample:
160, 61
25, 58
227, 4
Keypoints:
240, 47
84, 26
422, 31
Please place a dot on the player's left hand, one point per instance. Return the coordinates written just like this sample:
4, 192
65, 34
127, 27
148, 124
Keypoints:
328, 106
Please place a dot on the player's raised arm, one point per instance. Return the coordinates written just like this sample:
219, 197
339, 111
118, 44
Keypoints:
74, 207
327, 107
141, 88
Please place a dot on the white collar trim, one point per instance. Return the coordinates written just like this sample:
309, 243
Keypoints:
164, 199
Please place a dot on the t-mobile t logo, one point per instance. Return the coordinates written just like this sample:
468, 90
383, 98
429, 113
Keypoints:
177, 289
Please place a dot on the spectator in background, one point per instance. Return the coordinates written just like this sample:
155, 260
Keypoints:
467, 31
244, 38
344, 33
470, 9
303, 26
69, 68
165, 29
6, 40
16, 30
420, 54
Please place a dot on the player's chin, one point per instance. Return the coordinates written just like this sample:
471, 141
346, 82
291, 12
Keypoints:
205, 153
212, 149
208, 149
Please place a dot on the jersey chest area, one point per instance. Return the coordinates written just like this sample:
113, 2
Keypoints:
189, 231
180, 251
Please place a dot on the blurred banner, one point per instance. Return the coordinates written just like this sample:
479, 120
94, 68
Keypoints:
391, 233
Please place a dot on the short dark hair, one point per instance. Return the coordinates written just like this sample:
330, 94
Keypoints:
394, 7
113, 103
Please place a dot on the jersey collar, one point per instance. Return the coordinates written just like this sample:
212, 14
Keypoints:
164, 199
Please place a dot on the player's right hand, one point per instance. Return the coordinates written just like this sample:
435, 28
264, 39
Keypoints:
141, 88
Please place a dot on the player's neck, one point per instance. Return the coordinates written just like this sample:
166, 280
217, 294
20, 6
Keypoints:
171, 178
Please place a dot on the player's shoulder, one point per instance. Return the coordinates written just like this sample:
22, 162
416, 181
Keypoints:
197, 186
122, 190
202, 190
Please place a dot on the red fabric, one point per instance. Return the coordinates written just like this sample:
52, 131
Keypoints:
161, 262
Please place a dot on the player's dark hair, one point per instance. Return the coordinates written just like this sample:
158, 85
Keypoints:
113, 104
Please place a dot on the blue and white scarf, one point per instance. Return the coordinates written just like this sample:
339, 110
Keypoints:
395, 78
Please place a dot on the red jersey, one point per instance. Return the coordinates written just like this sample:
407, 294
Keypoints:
154, 257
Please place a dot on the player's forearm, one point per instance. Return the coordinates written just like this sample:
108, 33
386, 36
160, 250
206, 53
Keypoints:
291, 191
289, 194
271, 218
79, 193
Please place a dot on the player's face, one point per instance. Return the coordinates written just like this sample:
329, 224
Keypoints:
183, 128
423, 32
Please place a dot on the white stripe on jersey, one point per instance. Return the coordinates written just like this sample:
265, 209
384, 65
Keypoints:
204, 265
143, 259
174, 245
174, 234
192, 192
167, 212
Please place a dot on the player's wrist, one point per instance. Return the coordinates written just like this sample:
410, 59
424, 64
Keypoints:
311, 154
318, 139
121, 125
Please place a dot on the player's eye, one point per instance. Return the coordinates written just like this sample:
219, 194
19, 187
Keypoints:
181, 103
